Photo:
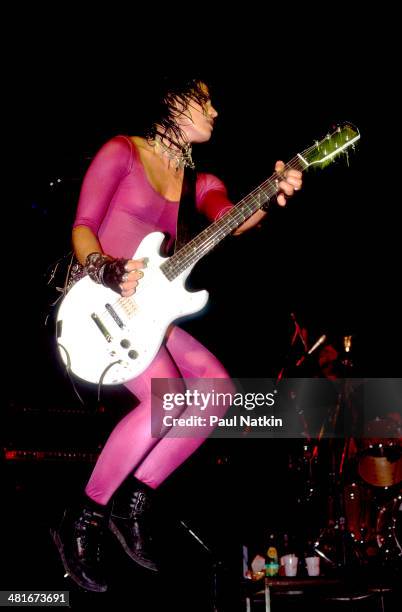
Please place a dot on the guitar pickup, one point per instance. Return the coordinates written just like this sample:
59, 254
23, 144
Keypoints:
101, 327
114, 315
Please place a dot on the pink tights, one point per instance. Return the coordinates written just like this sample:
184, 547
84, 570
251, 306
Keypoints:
130, 447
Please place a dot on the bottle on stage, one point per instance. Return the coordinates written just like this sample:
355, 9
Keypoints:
272, 564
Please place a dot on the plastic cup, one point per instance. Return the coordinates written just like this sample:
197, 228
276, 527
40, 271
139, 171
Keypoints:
291, 565
313, 566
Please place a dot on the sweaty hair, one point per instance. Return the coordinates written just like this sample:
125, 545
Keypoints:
173, 96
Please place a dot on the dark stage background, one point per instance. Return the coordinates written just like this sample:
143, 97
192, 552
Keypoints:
331, 257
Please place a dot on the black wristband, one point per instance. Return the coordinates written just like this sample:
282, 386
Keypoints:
105, 270
94, 264
112, 273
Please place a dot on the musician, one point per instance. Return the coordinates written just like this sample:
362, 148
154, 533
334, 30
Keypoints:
133, 187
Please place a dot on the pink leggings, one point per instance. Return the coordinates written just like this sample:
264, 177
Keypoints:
130, 447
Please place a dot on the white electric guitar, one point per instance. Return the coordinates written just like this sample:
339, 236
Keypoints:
107, 339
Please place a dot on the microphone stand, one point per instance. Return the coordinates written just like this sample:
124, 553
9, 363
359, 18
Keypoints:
217, 563
346, 554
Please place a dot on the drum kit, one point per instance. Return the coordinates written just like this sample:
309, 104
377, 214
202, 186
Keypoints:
364, 516
363, 522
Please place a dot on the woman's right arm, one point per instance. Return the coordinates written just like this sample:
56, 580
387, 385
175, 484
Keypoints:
84, 243
109, 166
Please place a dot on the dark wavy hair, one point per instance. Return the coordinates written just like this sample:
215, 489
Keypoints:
172, 94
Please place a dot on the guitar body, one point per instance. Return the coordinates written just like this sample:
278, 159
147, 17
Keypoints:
105, 338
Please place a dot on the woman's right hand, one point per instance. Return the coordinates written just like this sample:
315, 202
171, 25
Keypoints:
119, 274
133, 273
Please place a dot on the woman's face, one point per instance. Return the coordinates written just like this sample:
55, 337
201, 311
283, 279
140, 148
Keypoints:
197, 120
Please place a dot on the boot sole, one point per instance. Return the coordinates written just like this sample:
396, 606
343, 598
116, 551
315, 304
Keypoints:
73, 576
114, 529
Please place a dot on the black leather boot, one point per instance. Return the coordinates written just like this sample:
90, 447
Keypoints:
80, 542
130, 522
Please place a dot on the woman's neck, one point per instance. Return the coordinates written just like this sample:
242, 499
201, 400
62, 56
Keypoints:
176, 151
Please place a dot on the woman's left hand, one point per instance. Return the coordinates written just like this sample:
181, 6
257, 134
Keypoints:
292, 181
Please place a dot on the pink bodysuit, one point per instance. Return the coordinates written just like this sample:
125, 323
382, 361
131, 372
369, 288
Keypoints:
118, 203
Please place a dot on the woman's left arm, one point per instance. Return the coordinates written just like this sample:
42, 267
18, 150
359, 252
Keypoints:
213, 201
292, 181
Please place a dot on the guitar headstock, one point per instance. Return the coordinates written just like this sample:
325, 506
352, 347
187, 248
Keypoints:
323, 152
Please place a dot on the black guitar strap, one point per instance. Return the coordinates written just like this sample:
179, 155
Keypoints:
189, 221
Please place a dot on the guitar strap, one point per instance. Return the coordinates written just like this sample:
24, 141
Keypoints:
189, 221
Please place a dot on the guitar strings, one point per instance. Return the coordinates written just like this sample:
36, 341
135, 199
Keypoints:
234, 214
250, 203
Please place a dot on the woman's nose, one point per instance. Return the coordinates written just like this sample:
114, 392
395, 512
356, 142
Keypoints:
212, 112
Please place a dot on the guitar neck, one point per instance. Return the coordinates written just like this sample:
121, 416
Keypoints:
204, 242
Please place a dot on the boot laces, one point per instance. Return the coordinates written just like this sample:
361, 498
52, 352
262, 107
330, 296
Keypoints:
138, 502
89, 536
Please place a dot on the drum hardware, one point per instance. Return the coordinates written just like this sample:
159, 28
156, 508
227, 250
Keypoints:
380, 453
389, 530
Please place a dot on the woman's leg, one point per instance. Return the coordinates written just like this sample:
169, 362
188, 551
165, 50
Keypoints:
131, 439
193, 360
131, 446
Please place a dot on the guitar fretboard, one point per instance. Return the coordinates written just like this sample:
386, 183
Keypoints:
204, 242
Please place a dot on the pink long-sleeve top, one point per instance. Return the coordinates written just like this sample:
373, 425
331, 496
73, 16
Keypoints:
118, 203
